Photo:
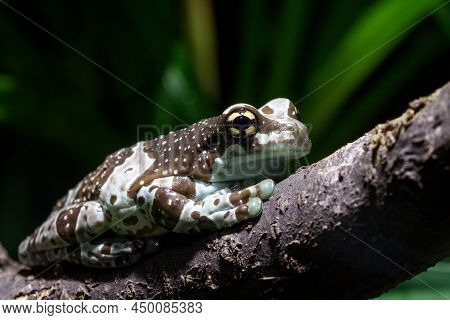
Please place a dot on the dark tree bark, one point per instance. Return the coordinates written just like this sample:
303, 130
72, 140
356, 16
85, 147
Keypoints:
353, 225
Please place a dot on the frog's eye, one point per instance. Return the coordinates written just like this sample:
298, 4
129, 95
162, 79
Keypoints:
242, 124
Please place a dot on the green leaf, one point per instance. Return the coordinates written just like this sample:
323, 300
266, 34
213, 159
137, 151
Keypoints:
7, 83
376, 97
374, 35
7, 86
432, 284
180, 98
201, 35
289, 41
443, 19
254, 28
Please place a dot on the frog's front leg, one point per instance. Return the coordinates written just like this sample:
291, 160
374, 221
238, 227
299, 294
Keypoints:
177, 212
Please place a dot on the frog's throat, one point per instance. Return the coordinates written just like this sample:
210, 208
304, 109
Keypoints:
248, 166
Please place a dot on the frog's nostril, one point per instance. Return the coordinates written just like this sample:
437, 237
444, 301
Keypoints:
306, 143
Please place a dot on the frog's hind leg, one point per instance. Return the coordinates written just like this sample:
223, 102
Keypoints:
63, 232
115, 252
47, 257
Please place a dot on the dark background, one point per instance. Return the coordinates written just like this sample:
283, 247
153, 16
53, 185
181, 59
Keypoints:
349, 64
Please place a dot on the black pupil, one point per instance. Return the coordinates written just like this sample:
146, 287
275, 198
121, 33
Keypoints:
242, 123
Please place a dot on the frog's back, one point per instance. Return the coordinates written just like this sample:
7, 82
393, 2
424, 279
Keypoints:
122, 173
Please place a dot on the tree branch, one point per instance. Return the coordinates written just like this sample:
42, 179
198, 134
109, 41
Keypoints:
353, 225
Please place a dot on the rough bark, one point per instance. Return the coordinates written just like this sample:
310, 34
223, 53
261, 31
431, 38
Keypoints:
353, 225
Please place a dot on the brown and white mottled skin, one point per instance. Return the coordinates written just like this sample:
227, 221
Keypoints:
182, 182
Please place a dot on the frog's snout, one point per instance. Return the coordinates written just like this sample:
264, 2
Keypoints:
301, 136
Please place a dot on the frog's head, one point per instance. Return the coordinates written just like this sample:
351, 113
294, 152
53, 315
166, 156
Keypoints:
243, 142
258, 140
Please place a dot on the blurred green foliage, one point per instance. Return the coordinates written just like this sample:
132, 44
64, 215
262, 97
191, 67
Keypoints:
350, 64
433, 284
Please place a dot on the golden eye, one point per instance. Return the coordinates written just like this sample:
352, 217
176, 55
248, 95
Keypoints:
234, 131
250, 130
249, 115
242, 123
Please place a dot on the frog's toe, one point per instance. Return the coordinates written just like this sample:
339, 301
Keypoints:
267, 188
254, 207
227, 218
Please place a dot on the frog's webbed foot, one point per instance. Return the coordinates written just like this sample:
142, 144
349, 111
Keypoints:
224, 210
116, 252
214, 212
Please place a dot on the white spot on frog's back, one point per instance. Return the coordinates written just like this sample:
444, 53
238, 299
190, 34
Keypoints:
123, 176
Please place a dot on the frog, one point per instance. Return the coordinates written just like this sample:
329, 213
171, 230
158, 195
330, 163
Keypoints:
202, 178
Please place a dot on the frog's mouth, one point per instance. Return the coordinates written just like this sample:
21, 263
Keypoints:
289, 137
